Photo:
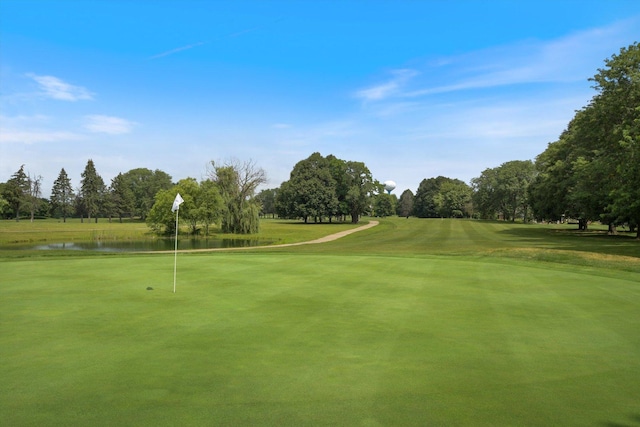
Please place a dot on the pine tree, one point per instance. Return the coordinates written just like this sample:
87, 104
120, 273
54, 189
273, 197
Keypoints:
62, 196
16, 191
92, 190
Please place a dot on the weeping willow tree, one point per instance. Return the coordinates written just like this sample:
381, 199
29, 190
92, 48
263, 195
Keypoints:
237, 183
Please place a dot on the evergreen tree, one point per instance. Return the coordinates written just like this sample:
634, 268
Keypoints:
405, 204
62, 196
122, 197
16, 192
92, 190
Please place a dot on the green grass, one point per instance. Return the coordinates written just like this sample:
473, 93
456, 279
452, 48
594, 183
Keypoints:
413, 322
24, 234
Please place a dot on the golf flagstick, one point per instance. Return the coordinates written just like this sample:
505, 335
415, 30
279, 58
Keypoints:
176, 208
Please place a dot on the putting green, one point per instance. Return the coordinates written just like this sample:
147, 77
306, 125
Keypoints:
317, 339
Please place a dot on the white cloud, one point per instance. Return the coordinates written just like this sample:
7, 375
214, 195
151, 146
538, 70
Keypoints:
108, 124
176, 50
572, 58
56, 88
390, 88
31, 137
25, 129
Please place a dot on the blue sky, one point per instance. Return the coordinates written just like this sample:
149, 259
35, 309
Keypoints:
414, 89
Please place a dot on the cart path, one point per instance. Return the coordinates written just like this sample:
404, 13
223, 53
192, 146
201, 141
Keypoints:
329, 238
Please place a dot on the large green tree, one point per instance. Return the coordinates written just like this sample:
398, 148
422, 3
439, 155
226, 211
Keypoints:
202, 206
617, 107
209, 205
424, 205
504, 190
122, 196
237, 183
440, 197
384, 204
592, 171
310, 192
453, 199
16, 192
360, 189
62, 196
143, 184
92, 190
405, 204
326, 187
267, 200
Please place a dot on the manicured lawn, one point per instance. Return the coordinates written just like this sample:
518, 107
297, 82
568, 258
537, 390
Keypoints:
413, 322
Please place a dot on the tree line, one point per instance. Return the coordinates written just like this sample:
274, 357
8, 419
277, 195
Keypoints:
591, 173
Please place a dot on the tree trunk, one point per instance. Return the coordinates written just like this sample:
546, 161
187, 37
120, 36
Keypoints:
612, 230
582, 224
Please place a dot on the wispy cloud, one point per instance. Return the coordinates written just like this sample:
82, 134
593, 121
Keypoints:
23, 129
56, 88
35, 136
281, 126
191, 46
108, 124
176, 50
389, 88
571, 58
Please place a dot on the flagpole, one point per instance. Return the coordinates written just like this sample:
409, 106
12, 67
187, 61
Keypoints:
176, 208
175, 257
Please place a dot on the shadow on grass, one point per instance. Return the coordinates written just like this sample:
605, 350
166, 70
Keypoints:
594, 241
635, 421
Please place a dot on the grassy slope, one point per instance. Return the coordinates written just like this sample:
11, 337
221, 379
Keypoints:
423, 323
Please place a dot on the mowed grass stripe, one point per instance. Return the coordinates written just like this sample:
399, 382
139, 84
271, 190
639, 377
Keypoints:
315, 339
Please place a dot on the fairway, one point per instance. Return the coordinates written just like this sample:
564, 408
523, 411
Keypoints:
446, 326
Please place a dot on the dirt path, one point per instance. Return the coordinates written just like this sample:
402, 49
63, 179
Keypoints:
329, 238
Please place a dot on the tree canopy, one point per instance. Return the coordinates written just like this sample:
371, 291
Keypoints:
326, 187
592, 172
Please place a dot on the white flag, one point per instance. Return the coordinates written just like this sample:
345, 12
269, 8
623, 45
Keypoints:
176, 203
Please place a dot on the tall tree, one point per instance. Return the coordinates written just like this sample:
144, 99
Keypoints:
208, 204
33, 195
617, 104
453, 198
267, 200
62, 196
144, 184
592, 171
405, 204
310, 192
384, 204
122, 197
16, 191
237, 183
360, 189
202, 206
424, 203
92, 190
504, 190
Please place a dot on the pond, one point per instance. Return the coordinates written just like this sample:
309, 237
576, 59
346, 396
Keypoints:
150, 245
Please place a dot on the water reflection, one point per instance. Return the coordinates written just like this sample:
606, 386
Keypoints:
152, 245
